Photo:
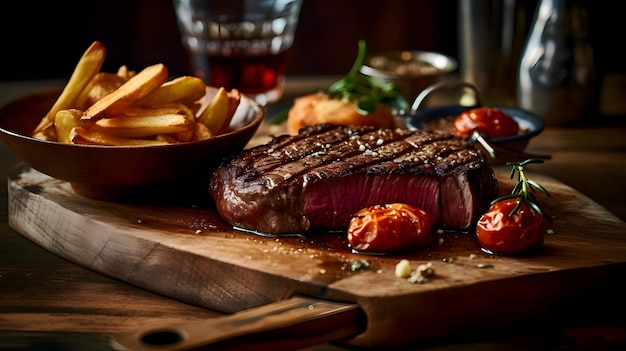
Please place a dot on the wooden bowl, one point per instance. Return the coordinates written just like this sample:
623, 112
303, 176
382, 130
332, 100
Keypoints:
123, 173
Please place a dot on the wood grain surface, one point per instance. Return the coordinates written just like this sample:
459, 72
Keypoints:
186, 252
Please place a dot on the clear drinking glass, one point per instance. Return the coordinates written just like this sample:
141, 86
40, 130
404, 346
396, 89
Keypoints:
242, 44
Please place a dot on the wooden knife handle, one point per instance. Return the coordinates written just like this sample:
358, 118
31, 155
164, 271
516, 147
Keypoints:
293, 323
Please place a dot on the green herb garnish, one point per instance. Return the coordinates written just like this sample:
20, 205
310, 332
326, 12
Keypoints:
359, 265
524, 189
282, 116
364, 91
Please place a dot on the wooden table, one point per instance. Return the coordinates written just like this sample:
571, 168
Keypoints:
44, 298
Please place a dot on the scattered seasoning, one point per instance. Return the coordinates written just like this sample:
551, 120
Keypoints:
370, 152
422, 273
419, 275
360, 265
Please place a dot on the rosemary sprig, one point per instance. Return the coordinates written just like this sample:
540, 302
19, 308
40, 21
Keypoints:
524, 189
364, 91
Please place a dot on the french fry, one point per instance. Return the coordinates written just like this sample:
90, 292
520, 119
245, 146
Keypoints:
234, 98
64, 122
185, 89
127, 108
185, 136
124, 73
191, 117
216, 112
82, 135
100, 86
201, 132
49, 134
86, 68
167, 138
145, 123
126, 95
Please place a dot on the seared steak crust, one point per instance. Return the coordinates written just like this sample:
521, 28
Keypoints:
319, 178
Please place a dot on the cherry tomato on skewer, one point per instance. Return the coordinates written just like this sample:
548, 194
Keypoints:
490, 120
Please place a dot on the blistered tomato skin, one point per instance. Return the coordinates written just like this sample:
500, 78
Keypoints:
490, 120
500, 233
391, 228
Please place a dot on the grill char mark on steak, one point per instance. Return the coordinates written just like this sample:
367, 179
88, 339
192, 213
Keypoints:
325, 174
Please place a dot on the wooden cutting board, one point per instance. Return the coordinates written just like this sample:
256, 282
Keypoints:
185, 251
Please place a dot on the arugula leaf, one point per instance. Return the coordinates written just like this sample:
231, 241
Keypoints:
365, 91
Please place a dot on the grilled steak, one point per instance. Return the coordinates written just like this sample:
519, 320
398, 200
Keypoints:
321, 177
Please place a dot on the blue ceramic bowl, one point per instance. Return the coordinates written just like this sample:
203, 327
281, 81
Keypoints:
530, 124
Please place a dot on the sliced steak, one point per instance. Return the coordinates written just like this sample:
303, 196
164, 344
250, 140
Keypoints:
321, 177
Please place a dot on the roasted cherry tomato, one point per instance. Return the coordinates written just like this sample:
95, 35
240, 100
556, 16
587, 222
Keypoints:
490, 120
510, 235
391, 228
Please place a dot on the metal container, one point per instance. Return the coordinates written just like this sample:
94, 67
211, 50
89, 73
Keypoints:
411, 71
559, 76
491, 36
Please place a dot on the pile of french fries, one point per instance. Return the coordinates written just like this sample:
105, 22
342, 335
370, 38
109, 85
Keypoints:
134, 109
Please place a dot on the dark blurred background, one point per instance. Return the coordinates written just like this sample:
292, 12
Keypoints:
45, 39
